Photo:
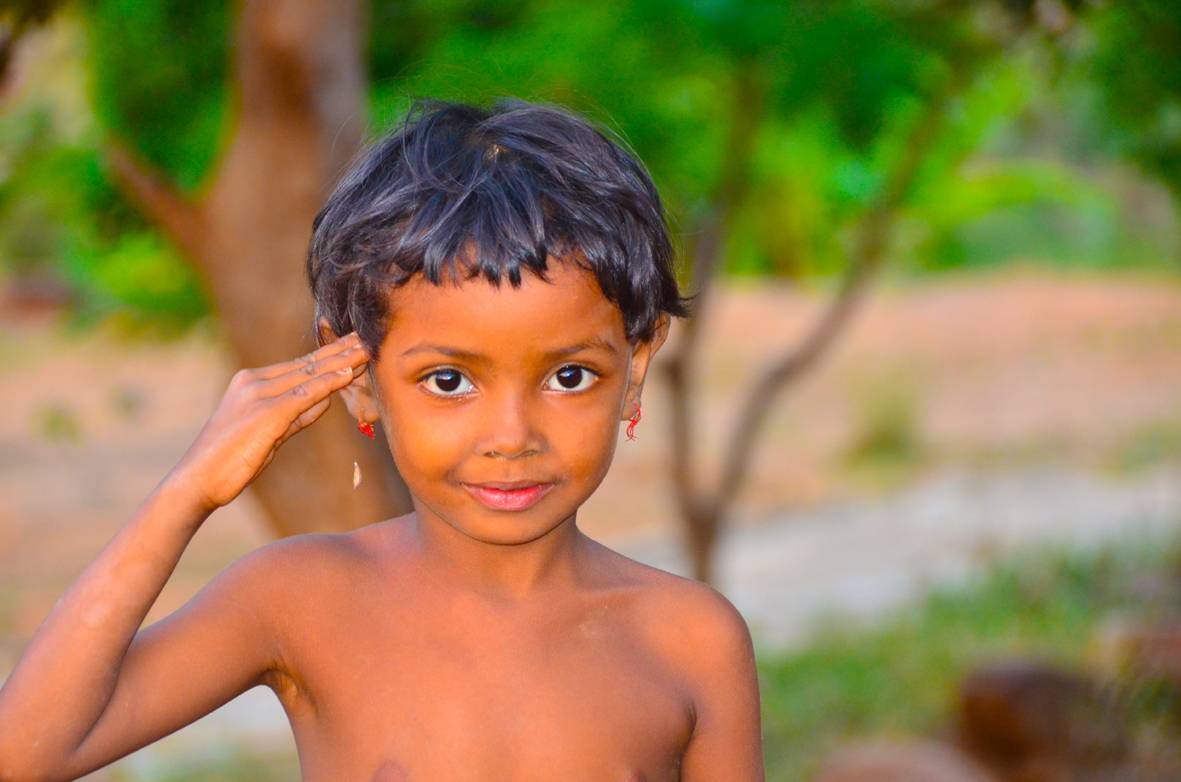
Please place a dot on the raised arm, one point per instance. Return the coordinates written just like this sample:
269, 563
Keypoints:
88, 688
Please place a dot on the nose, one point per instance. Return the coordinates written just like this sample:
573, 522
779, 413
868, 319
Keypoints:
510, 430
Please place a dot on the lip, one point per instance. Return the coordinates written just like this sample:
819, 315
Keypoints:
508, 495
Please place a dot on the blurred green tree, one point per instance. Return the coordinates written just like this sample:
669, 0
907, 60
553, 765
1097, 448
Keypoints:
786, 138
227, 128
1132, 56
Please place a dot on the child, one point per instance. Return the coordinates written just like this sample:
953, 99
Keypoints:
481, 636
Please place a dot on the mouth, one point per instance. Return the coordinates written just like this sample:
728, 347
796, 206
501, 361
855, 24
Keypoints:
511, 495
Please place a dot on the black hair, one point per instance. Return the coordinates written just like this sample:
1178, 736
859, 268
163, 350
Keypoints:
503, 188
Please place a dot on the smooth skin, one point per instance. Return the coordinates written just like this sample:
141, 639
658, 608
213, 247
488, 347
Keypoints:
457, 642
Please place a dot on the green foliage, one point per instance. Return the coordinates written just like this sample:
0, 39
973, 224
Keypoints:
1147, 447
159, 78
830, 90
139, 279
901, 677
30, 238
1024, 171
665, 75
60, 215
1135, 49
998, 211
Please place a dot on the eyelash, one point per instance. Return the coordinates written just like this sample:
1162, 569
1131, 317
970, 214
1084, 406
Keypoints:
429, 375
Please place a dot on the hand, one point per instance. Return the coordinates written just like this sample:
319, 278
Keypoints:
261, 410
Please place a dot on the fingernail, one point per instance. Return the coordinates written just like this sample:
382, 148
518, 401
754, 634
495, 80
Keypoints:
345, 371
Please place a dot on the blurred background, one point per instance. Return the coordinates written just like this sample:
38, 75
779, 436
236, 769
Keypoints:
924, 432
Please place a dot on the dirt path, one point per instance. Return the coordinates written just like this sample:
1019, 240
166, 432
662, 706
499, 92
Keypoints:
859, 559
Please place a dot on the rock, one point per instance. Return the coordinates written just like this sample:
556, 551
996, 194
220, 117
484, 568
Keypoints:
1030, 721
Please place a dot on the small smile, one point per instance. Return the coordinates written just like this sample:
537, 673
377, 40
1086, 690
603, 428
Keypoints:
515, 495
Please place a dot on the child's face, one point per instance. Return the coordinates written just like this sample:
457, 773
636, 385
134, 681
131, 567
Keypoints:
478, 384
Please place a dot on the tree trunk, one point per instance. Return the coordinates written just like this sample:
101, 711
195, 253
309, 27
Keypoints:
702, 537
299, 110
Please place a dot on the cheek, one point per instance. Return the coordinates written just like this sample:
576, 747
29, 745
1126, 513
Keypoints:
585, 441
425, 440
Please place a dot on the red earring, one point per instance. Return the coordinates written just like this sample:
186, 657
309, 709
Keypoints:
631, 426
366, 428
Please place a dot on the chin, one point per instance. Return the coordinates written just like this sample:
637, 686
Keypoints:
505, 529
473, 519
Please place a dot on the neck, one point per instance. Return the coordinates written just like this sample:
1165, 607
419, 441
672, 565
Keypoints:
501, 571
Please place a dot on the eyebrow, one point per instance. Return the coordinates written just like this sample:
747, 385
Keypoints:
467, 355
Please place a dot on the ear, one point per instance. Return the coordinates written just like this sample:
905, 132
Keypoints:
358, 395
641, 361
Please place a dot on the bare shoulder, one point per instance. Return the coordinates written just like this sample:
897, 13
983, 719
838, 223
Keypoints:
303, 559
312, 570
690, 619
704, 639
291, 571
294, 587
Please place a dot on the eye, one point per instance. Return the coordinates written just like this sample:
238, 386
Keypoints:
571, 377
448, 381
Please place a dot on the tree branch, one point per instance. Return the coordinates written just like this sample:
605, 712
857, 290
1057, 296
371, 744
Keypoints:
866, 257
158, 199
705, 253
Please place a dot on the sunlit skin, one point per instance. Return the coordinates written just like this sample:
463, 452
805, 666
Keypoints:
510, 638
503, 415
457, 642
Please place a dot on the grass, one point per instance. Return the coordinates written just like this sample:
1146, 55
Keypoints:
886, 449
901, 678
1147, 447
226, 764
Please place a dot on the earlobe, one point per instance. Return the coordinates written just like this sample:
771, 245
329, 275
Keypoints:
641, 365
632, 422
357, 396
358, 399
632, 400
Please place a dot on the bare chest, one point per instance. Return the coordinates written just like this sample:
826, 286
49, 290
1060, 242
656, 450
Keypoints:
416, 695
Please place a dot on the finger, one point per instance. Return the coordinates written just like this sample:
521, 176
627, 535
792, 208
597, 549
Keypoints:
309, 361
355, 358
305, 419
302, 397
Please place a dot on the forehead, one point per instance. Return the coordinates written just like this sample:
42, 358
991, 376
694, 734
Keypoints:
475, 312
